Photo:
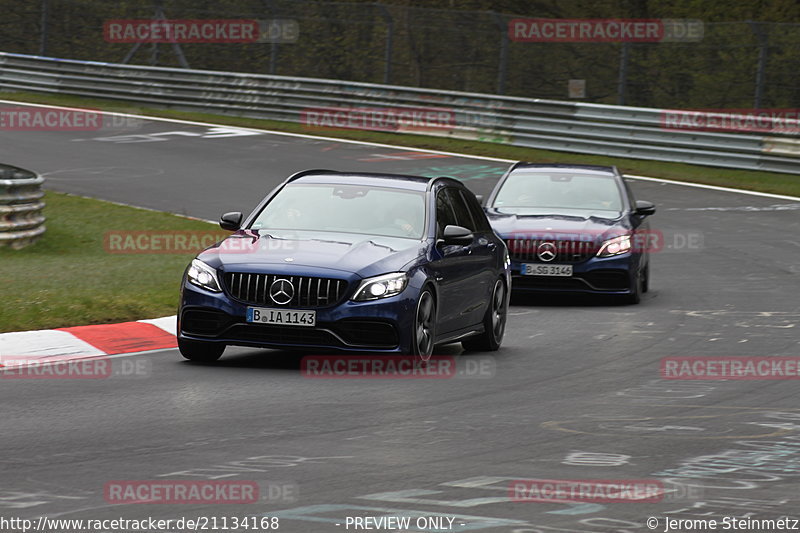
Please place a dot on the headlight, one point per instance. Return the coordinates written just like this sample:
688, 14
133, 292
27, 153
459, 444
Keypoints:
381, 287
204, 276
615, 246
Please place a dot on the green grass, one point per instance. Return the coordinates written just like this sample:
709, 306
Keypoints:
787, 184
68, 278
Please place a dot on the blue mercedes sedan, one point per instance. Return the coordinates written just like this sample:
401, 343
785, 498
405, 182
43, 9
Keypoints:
573, 228
350, 261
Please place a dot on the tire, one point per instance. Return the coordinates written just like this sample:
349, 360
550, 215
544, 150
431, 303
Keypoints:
638, 288
424, 331
202, 352
646, 281
494, 323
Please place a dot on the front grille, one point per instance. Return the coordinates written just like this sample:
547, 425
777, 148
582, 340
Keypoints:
566, 251
309, 292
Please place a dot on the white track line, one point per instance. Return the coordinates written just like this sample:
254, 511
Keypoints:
717, 188
392, 146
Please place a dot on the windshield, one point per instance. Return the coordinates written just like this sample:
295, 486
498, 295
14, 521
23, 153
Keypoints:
560, 191
345, 208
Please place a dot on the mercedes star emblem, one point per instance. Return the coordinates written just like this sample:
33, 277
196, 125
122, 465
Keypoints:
281, 291
547, 251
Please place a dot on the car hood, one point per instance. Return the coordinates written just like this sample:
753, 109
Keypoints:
540, 223
312, 253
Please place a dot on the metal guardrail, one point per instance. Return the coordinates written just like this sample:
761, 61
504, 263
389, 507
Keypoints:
597, 129
21, 219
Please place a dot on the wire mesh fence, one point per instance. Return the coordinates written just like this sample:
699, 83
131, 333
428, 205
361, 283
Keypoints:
734, 65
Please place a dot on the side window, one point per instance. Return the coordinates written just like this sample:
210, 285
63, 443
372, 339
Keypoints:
444, 212
462, 211
481, 223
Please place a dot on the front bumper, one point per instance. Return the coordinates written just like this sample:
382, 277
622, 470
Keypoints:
375, 326
597, 275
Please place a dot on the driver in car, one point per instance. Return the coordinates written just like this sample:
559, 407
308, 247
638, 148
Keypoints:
403, 220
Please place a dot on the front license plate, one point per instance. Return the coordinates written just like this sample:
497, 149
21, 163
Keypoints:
286, 317
531, 269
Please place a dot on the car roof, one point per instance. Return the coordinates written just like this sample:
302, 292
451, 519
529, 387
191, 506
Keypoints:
561, 167
397, 181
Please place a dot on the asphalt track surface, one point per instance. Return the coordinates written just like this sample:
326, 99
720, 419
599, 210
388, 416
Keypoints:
574, 394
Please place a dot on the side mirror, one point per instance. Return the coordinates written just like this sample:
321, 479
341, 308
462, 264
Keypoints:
480, 198
231, 221
644, 208
456, 235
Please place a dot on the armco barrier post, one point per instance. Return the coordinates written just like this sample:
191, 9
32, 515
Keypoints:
21, 219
